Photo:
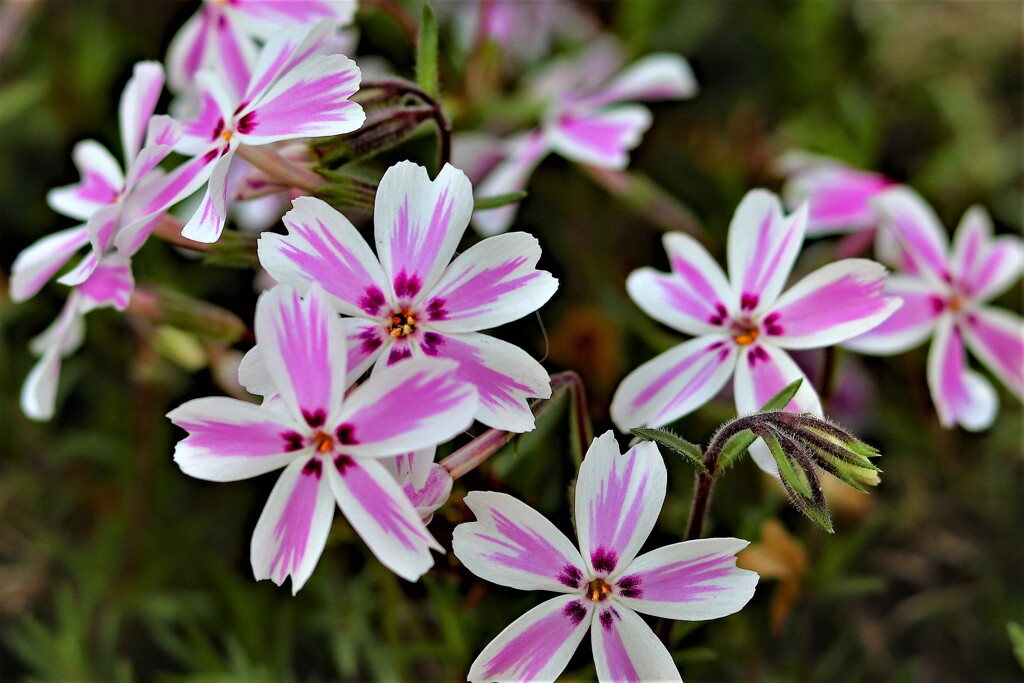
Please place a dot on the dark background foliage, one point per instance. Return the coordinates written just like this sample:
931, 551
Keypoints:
115, 566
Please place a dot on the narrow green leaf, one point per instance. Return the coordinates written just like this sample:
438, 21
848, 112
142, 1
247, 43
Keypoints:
1016, 633
689, 451
499, 200
780, 400
426, 53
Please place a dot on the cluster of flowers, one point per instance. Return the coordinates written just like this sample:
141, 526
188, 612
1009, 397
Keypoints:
367, 362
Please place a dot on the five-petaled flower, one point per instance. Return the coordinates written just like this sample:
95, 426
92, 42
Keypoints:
602, 585
945, 291
330, 445
741, 327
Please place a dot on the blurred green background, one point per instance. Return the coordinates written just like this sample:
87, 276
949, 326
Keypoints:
114, 566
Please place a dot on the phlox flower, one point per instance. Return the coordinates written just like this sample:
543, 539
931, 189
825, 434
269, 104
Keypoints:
294, 92
589, 117
603, 585
743, 323
412, 299
331, 445
945, 289
223, 34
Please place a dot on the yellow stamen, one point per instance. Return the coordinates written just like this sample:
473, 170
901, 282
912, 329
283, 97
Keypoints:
402, 324
746, 338
226, 134
325, 444
955, 304
598, 590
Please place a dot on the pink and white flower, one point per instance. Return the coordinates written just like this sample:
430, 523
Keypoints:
603, 585
590, 118
839, 195
294, 92
415, 301
742, 324
946, 289
223, 35
332, 446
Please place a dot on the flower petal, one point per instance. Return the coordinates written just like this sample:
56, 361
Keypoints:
909, 325
365, 341
538, 645
39, 391
674, 384
39, 262
658, 76
377, 508
961, 396
985, 267
513, 545
288, 47
599, 138
207, 222
917, 229
432, 494
996, 337
693, 580
504, 375
138, 102
235, 56
493, 282
322, 246
110, 284
407, 406
694, 298
626, 649
763, 245
292, 530
512, 174
618, 500
101, 228
419, 223
302, 343
230, 439
277, 13
834, 303
187, 50
761, 372
100, 185
838, 196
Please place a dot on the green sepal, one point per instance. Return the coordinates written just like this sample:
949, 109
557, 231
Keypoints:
499, 200
426, 52
739, 444
690, 452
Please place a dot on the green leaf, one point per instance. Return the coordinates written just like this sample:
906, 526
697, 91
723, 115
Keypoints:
739, 444
426, 53
499, 200
689, 451
1016, 633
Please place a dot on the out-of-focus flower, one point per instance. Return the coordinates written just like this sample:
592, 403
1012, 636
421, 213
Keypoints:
330, 445
294, 92
778, 555
588, 118
742, 323
945, 289
223, 35
415, 300
602, 585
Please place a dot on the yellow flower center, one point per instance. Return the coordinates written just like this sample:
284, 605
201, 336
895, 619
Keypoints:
598, 590
746, 337
403, 323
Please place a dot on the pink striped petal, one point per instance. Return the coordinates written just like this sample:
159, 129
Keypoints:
761, 372
834, 303
414, 467
39, 391
407, 406
235, 55
838, 196
626, 649
694, 580
365, 341
207, 223
138, 102
493, 282
909, 325
39, 262
674, 384
985, 267
538, 645
302, 343
432, 493
110, 284
514, 545
504, 375
286, 48
292, 530
310, 100
322, 246
100, 185
230, 439
377, 508
763, 245
101, 228
162, 135
277, 13
961, 396
185, 56
917, 229
418, 224
522, 155
996, 337
659, 76
618, 500
202, 123
694, 298
599, 138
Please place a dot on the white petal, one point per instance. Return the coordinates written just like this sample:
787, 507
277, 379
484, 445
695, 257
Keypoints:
961, 396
